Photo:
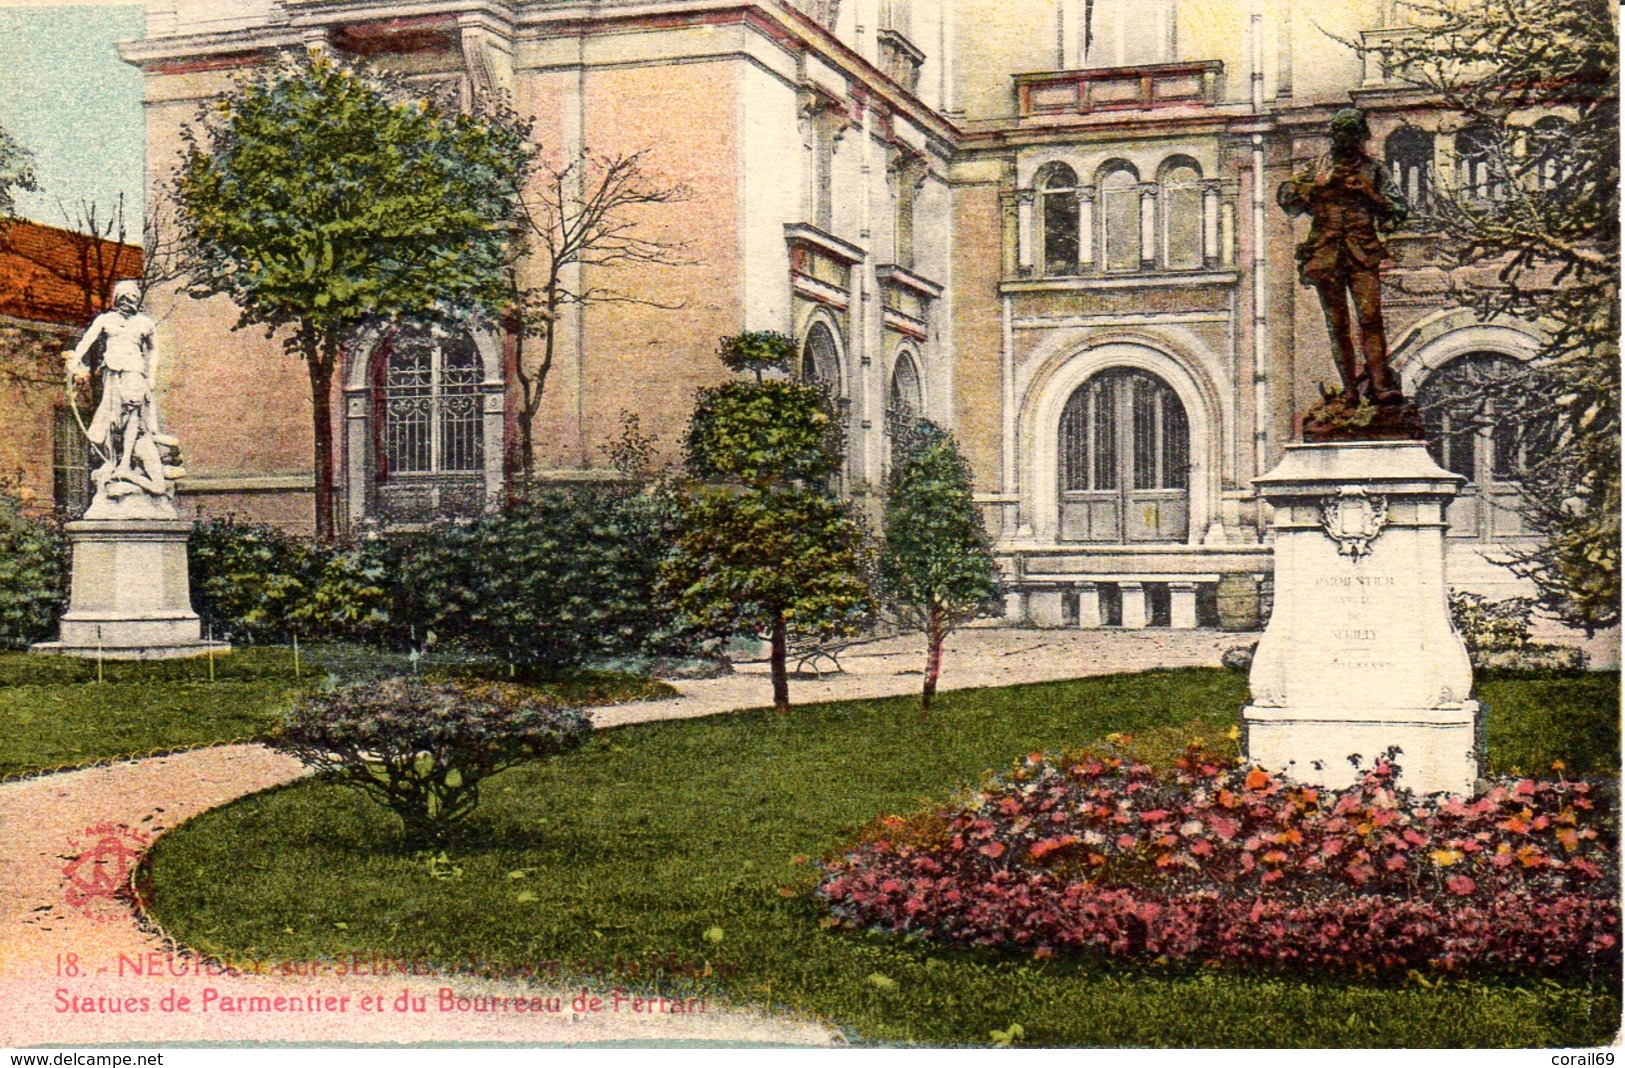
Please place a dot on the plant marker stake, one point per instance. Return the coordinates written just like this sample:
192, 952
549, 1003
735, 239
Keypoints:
211, 652
99, 653
296, 654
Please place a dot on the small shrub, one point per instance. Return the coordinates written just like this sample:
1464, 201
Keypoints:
1534, 658
1096, 853
262, 585
33, 575
423, 748
1489, 626
248, 579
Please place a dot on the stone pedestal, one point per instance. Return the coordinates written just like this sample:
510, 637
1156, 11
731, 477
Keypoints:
130, 598
1360, 656
1136, 614
1089, 606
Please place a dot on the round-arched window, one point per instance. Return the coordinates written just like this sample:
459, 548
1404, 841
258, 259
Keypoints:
1409, 154
1120, 219
1474, 412
821, 357
431, 402
1180, 200
1058, 214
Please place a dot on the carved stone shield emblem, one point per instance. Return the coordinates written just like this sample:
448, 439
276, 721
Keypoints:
1354, 519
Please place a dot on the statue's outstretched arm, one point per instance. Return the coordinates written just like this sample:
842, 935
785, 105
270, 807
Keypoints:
76, 358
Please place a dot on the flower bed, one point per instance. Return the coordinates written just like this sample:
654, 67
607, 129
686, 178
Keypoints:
1094, 852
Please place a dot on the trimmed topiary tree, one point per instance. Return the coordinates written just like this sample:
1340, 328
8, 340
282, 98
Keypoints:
763, 546
937, 566
422, 749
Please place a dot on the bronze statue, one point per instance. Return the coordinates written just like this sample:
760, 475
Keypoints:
1351, 200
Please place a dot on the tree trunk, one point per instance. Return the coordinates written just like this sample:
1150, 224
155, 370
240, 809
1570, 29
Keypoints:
320, 358
778, 655
934, 635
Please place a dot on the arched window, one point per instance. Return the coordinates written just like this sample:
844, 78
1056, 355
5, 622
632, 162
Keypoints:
1124, 466
431, 403
1480, 169
821, 358
1120, 218
1409, 154
1473, 413
1180, 200
906, 399
1551, 152
1058, 203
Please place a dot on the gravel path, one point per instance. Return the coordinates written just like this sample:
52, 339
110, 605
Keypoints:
76, 967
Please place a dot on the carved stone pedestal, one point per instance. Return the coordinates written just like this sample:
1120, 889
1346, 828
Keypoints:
131, 597
1360, 656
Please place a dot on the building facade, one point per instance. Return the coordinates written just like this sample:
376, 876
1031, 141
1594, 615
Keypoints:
1057, 238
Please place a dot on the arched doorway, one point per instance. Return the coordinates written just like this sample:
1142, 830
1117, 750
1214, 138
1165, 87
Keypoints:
1124, 461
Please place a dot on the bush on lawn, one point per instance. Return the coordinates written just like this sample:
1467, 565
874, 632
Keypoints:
261, 585
1095, 853
1497, 636
33, 575
561, 579
423, 748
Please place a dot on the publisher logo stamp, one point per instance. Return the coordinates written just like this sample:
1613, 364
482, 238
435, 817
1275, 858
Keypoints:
96, 877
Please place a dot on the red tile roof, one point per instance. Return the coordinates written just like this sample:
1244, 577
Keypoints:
45, 271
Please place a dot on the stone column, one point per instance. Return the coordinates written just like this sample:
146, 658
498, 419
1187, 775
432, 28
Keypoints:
1210, 223
1089, 606
1148, 224
1360, 656
1182, 605
1135, 616
1086, 229
1024, 230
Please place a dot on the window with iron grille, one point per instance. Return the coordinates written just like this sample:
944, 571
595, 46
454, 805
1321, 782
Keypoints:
71, 463
432, 403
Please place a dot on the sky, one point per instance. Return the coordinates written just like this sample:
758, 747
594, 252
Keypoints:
66, 96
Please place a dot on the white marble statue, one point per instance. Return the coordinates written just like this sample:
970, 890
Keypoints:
133, 479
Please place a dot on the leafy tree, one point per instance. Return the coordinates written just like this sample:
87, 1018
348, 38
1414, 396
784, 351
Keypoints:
1540, 222
16, 173
756, 351
763, 547
583, 215
936, 567
320, 199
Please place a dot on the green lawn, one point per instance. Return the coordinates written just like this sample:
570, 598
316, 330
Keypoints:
56, 714
614, 862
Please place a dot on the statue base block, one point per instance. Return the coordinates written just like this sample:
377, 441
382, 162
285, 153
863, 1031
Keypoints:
1319, 745
131, 596
1360, 659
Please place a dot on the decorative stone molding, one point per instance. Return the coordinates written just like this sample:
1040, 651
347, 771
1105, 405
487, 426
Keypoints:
1354, 518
